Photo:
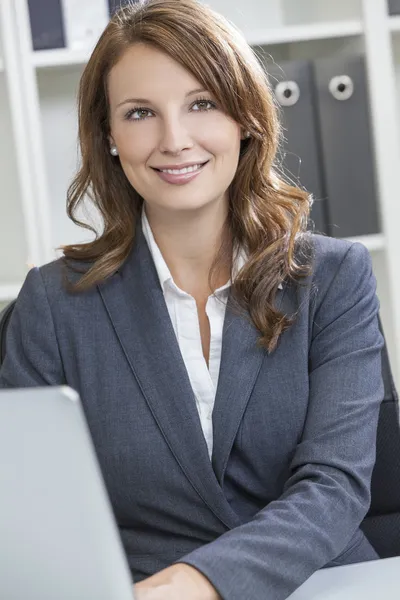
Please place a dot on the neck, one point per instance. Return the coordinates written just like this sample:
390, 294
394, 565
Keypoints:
189, 241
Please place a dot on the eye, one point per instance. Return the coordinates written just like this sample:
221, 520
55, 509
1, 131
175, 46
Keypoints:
204, 104
137, 113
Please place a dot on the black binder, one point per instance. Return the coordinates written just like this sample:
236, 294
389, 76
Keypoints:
347, 150
46, 24
394, 7
292, 82
114, 5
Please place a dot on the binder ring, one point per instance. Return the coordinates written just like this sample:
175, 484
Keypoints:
287, 93
341, 87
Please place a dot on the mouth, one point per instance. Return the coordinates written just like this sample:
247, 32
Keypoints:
180, 176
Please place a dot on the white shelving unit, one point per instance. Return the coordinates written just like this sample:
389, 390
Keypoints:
16, 241
46, 124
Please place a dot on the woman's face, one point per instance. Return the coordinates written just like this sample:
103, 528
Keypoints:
160, 117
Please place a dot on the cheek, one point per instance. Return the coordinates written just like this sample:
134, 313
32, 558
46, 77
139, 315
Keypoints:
222, 139
134, 146
226, 150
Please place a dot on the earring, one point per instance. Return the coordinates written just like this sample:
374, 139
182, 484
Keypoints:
247, 134
114, 150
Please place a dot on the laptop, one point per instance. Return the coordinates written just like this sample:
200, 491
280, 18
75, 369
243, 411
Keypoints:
58, 536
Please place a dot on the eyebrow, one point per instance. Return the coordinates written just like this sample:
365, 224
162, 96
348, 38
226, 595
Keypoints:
144, 101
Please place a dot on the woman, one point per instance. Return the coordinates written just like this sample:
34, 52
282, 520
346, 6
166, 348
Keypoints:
228, 361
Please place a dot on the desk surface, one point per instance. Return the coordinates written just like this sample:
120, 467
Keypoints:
360, 581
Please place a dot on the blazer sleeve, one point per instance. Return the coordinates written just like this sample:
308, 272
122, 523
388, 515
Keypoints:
328, 493
32, 353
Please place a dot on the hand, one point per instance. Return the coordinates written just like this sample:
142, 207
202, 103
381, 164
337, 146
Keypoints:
178, 582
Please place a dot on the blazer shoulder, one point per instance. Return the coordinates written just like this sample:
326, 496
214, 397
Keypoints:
331, 255
328, 252
57, 274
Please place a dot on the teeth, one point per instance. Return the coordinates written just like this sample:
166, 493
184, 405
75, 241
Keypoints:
181, 171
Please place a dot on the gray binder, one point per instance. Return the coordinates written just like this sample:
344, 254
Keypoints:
347, 150
293, 84
46, 24
394, 7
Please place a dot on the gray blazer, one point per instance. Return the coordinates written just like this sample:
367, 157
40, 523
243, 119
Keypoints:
294, 431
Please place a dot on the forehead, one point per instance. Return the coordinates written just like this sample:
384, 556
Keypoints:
143, 71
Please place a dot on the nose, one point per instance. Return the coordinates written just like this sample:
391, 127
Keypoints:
175, 137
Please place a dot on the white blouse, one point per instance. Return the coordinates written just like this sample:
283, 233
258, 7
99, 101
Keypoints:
184, 316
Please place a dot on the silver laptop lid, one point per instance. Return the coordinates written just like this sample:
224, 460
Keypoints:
58, 536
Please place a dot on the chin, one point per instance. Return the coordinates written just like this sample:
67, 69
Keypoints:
185, 205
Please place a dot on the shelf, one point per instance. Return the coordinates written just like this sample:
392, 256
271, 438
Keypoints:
59, 58
283, 35
372, 242
9, 292
394, 23
300, 33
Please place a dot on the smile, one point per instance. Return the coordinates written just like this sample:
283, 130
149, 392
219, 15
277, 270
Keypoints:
184, 170
180, 176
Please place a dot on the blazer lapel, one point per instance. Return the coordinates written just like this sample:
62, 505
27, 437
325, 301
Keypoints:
241, 361
136, 306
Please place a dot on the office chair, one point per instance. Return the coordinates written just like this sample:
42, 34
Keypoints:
5, 316
382, 523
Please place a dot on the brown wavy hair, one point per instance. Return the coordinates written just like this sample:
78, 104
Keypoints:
267, 215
